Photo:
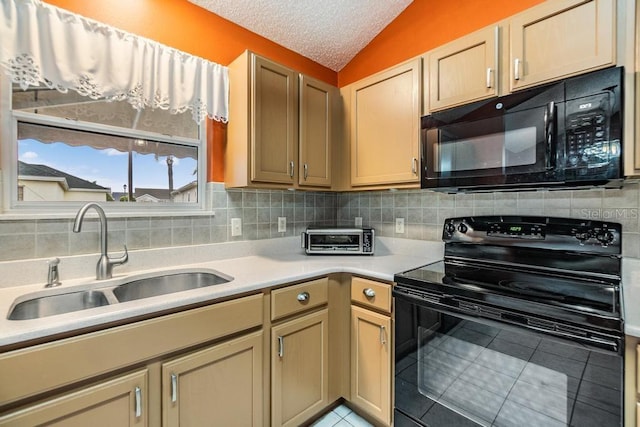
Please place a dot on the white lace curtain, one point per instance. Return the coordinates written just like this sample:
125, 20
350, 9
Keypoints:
41, 45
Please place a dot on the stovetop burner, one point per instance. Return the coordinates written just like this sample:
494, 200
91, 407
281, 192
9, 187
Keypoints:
570, 272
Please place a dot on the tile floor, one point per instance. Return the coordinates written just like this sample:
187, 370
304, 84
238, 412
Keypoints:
342, 417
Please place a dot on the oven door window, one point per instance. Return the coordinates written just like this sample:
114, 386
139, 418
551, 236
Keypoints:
513, 143
454, 371
331, 240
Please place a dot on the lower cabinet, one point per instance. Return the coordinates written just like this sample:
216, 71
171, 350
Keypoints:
299, 369
120, 402
371, 363
210, 365
221, 383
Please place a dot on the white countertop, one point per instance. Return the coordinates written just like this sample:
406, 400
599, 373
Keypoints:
253, 267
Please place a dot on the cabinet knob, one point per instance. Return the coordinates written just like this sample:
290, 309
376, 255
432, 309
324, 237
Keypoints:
303, 296
369, 293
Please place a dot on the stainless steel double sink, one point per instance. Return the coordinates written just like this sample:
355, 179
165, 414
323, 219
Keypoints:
52, 302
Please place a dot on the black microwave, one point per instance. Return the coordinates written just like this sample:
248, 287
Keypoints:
565, 134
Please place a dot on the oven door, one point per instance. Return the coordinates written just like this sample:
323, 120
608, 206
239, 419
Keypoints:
502, 142
452, 370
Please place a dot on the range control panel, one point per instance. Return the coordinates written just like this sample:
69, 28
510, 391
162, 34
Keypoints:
518, 231
532, 231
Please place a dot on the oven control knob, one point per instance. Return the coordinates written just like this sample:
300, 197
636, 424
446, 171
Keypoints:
583, 236
449, 228
462, 228
605, 237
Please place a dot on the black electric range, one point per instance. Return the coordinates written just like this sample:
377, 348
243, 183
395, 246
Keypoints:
516, 289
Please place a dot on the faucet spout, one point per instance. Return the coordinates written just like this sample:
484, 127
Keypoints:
104, 268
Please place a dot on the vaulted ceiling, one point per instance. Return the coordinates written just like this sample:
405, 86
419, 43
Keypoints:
329, 32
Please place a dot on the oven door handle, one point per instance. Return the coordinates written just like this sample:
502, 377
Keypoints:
550, 135
496, 316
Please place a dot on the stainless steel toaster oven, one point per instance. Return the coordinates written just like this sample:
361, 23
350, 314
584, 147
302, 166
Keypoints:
338, 241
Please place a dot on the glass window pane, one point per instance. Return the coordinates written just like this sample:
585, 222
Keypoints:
73, 106
58, 164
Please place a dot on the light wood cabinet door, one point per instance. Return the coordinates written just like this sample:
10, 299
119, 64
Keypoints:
316, 100
561, 38
120, 402
385, 127
371, 363
464, 70
299, 369
262, 136
220, 385
275, 122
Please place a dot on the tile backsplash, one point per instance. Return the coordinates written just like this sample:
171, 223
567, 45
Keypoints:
424, 212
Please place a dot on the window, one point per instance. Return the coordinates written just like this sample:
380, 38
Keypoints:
71, 148
89, 112
96, 163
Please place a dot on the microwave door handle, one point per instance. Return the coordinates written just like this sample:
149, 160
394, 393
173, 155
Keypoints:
550, 135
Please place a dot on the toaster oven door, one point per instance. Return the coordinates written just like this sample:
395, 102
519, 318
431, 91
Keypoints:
319, 242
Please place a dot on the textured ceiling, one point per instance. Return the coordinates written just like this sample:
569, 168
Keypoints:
330, 32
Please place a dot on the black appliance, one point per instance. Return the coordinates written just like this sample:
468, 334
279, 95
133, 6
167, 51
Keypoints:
564, 135
520, 324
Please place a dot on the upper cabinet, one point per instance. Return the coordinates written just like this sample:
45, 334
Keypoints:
561, 38
464, 70
271, 111
316, 101
385, 127
262, 134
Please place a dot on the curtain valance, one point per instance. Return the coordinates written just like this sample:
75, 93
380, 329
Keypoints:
41, 45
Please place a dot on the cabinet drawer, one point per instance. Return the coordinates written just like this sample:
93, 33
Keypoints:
380, 294
298, 298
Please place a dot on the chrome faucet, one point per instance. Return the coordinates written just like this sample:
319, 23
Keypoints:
53, 277
104, 269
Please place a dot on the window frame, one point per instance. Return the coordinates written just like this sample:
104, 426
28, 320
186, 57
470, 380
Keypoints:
9, 166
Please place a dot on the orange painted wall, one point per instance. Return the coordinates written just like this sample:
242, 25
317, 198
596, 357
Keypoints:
424, 25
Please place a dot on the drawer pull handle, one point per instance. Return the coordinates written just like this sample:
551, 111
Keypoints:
291, 169
369, 293
138, 398
303, 296
280, 347
383, 339
174, 388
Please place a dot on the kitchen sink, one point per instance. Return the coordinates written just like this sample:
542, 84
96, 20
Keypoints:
50, 305
166, 284
112, 292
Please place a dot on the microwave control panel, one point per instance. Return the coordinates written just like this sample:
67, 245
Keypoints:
587, 136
